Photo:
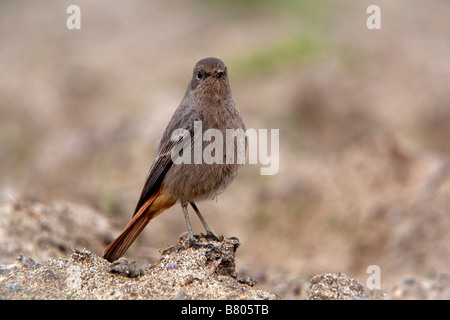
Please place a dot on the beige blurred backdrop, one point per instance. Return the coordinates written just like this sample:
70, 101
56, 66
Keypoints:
363, 118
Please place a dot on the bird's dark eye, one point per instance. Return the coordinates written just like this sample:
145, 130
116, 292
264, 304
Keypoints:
199, 75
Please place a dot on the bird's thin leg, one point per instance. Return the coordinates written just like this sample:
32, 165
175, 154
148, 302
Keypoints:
209, 231
188, 222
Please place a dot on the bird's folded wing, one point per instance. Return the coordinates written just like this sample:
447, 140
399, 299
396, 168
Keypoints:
163, 160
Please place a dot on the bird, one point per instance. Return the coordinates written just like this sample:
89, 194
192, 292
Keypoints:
207, 104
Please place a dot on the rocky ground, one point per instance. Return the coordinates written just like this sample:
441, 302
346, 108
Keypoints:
203, 272
39, 261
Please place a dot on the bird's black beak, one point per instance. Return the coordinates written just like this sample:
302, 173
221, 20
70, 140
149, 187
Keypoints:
218, 73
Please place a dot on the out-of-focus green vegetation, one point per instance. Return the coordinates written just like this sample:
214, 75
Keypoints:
297, 50
301, 9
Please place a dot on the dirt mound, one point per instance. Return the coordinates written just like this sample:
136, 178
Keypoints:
207, 270
203, 271
44, 231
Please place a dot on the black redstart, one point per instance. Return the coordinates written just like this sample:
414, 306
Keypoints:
208, 102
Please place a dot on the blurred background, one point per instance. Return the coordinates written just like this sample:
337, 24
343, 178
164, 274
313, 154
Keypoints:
364, 120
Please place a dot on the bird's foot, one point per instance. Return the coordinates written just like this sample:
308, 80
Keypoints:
212, 235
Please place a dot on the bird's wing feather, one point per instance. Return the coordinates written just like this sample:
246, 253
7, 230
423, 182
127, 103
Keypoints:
183, 118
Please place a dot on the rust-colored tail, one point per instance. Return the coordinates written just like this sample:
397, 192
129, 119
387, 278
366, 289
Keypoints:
121, 244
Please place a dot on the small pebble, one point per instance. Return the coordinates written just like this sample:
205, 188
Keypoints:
171, 266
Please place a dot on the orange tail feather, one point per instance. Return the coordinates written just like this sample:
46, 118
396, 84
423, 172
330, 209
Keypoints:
121, 244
